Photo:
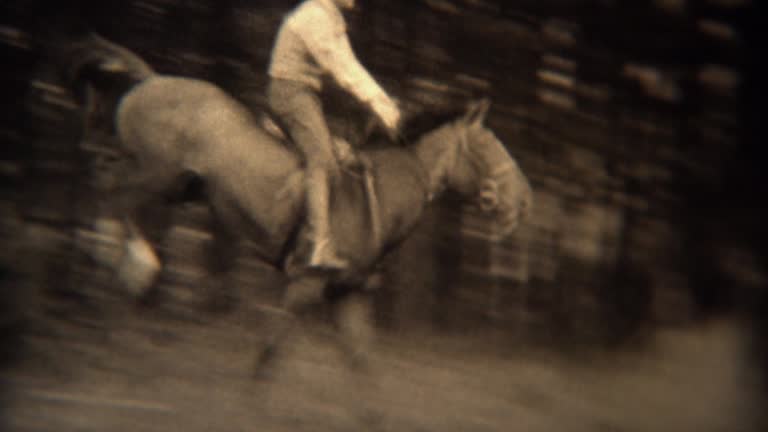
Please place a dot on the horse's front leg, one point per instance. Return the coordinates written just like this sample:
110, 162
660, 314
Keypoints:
354, 320
353, 315
299, 294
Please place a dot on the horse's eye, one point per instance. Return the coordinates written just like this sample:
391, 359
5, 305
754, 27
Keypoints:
490, 186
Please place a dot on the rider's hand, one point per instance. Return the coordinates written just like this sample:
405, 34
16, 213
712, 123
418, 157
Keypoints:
387, 111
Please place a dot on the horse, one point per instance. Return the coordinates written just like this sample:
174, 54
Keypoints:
177, 127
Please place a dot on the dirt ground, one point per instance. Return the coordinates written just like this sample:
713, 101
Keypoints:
150, 373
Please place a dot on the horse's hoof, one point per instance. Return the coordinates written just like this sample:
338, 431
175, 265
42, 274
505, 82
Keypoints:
324, 257
139, 267
328, 263
263, 369
372, 420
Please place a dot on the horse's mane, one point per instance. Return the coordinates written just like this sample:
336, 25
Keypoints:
422, 122
428, 120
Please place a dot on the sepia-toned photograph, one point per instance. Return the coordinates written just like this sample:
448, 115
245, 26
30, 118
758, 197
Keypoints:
382, 215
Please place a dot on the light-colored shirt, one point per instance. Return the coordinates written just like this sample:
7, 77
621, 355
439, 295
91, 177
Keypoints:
313, 42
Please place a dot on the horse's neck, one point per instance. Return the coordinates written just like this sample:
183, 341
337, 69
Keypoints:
436, 153
408, 179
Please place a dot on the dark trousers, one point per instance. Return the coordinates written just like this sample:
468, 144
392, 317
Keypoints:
301, 112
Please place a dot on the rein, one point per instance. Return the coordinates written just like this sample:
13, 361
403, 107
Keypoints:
424, 177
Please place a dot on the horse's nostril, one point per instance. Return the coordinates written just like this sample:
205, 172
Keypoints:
488, 201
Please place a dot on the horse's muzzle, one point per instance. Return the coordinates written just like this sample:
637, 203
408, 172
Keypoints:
501, 226
508, 223
510, 216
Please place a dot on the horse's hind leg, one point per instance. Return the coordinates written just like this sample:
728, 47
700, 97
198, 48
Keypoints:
137, 263
146, 218
139, 198
299, 294
221, 259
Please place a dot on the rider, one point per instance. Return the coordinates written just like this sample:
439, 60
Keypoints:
312, 42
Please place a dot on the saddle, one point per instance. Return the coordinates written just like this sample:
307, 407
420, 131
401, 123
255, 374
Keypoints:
357, 166
345, 154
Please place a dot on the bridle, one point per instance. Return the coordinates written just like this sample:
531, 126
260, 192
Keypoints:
495, 175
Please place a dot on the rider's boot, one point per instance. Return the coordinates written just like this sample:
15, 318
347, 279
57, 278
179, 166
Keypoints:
323, 251
346, 156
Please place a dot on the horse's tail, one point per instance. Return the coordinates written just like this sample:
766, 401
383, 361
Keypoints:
103, 66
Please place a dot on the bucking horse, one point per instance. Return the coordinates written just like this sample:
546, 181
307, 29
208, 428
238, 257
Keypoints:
183, 128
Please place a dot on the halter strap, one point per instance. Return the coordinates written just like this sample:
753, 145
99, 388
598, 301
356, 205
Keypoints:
501, 169
373, 201
422, 174
495, 173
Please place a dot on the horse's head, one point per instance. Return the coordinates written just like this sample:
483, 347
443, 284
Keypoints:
479, 167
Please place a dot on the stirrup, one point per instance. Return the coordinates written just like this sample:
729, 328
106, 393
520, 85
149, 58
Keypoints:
324, 257
346, 156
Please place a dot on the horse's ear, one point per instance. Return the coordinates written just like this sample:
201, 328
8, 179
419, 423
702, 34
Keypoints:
477, 111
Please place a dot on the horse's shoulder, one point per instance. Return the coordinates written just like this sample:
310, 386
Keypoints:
389, 161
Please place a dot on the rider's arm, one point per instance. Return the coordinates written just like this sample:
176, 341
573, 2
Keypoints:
327, 41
